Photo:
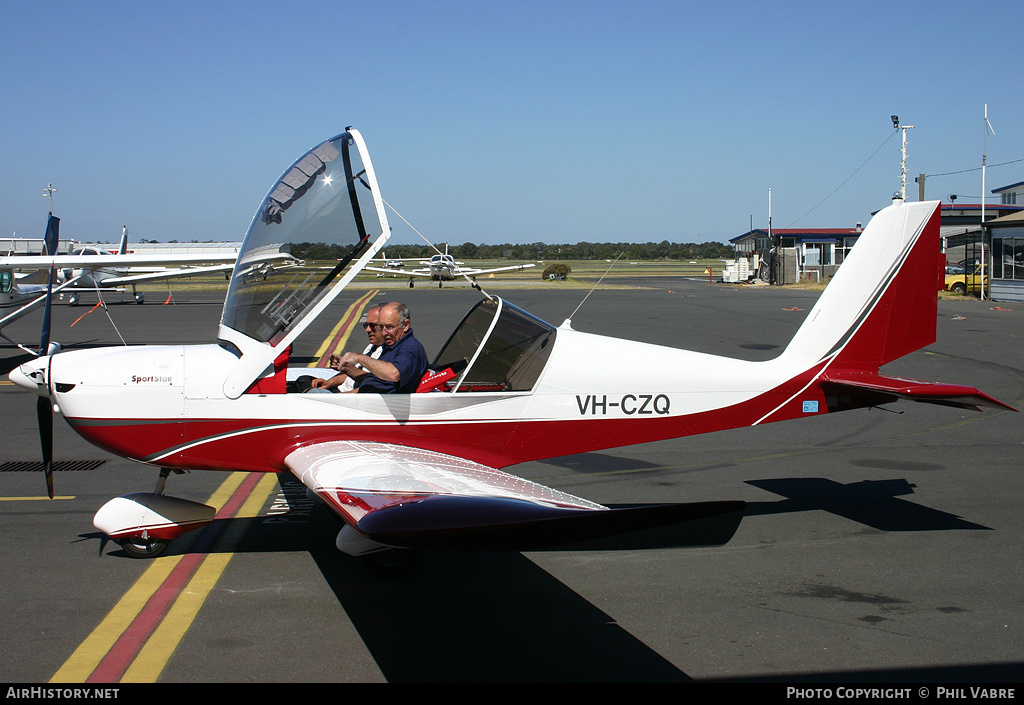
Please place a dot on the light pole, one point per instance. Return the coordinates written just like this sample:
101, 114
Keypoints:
984, 159
903, 161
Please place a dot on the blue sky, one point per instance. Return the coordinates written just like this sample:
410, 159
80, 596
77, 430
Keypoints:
504, 122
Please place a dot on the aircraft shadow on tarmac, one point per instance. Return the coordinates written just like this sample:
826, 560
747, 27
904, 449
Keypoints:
487, 617
874, 503
499, 617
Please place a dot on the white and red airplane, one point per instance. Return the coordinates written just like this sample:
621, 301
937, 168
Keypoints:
441, 267
424, 470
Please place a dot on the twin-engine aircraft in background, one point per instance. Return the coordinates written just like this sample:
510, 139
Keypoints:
424, 470
441, 267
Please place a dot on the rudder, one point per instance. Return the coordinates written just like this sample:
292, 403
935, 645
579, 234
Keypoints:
882, 303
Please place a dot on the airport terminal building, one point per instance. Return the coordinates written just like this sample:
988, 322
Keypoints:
814, 254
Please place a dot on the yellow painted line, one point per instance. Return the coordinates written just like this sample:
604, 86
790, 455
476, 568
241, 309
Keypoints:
36, 499
361, 303
88, 655
153, 657
227, 488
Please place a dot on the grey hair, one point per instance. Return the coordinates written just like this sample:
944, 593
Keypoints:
401, 309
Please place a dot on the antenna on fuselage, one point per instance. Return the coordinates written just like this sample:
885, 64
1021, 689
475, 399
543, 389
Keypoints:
594, 287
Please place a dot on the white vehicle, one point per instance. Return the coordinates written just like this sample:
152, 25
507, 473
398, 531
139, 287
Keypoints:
425, 470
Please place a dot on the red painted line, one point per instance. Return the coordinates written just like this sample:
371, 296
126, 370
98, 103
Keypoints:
349, 321
116, 662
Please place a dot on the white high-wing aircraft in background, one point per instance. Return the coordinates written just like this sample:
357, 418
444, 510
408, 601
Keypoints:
424, 470
441, 267
26, 279
161, 267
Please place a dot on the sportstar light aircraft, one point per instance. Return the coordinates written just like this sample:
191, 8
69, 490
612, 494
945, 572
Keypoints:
441, 267
422, 470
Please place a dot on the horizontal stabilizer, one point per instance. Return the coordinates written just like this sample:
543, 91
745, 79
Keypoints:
440, 522
866, 385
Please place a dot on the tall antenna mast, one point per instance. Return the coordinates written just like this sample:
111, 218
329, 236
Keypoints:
48, 194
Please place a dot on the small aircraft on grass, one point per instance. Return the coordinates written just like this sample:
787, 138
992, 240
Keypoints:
441, 267
424, 470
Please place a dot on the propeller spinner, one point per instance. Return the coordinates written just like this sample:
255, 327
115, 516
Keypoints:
34, 376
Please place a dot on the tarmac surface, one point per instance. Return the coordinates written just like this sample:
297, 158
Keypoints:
879, 545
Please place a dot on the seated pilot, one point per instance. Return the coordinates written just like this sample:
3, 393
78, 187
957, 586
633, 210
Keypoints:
402, 361
344, 382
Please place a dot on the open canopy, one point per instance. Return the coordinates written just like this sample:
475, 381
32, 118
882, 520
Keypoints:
330, 197
325, 197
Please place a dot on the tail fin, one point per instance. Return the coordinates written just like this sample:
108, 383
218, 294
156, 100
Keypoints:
51, 240
880, 306
123, 248
882, 302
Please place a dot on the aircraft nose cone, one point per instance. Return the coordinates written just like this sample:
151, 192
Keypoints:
31, 375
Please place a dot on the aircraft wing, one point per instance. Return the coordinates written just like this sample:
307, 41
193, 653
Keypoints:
165, 273
28, 263
402, 272
515, 267
957, 395
406, 497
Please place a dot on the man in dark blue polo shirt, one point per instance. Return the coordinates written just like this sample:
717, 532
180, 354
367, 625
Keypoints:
401, 365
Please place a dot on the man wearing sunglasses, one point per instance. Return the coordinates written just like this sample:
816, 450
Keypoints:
401, 364
345, 382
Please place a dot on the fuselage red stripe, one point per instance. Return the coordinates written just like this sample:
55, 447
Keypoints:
260, 445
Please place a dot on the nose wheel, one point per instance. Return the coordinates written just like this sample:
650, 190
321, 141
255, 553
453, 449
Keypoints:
138, 547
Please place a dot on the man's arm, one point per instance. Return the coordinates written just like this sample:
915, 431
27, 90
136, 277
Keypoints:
381, 369
332, 383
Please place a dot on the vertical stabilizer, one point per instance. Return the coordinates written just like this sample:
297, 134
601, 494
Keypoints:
123, 248
882, 302
51, 240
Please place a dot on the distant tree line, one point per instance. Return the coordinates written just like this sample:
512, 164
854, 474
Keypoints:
538, 251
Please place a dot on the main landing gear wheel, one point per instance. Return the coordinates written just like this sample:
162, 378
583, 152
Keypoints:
138, 547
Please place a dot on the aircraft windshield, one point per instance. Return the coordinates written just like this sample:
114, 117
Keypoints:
322, 199
502, 347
